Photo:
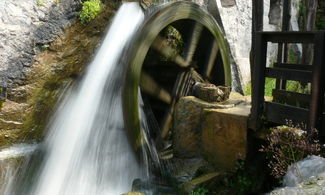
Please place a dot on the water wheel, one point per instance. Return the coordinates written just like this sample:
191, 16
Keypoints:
178, 44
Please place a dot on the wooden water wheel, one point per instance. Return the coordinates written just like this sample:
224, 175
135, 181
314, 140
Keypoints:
177, 44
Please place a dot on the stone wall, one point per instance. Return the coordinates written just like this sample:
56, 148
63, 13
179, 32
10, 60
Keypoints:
27, 26
237, 20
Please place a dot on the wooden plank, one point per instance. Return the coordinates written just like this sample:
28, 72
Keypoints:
291, 98
289, 36
288, 74
294, 66
280, 114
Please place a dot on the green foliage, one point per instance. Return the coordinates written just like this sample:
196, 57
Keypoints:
200, 191
287, 145
269, 86
241, 182
40, 3
90, 9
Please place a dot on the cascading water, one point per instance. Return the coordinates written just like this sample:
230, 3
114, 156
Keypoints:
86, 150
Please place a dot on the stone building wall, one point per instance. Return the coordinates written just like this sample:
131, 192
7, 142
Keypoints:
237, 20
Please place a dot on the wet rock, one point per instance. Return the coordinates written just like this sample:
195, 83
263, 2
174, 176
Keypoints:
11, 159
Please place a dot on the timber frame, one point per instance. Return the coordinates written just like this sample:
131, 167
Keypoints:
308, 117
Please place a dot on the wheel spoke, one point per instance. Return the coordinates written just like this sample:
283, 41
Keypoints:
210, 60
161, 45
151, 87
193, 42
167, 120
178, 91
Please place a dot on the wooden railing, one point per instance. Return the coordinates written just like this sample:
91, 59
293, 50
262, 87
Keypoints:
265, 111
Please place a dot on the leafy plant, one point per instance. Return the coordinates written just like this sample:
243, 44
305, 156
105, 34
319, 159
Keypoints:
287, 145
199, 191
90, 9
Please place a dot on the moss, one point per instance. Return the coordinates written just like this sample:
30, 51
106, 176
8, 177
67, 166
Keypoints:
90, 10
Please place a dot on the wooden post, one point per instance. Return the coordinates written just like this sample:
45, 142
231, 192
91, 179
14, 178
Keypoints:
318, 84
257, 25
258, 82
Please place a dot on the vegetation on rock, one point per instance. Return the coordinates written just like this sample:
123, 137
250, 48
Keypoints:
90, 10
287, 145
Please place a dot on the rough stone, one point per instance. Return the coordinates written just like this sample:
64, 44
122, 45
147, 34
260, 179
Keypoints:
12, 115
224, 135
304, 177
187, 125
210, 92
25, 26
215, 131
304, 169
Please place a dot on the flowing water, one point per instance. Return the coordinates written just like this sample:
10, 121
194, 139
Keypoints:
86, 151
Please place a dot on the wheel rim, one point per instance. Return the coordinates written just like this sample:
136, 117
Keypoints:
200, 33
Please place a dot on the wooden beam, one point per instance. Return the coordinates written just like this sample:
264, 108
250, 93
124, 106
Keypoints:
281, 114
302, 67
289, 74
289, 37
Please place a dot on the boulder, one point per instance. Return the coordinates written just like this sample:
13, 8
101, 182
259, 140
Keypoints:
304, 169
304, 177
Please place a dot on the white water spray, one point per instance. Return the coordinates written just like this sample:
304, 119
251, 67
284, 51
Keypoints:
86, 150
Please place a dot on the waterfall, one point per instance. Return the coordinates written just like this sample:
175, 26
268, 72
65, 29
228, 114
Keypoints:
86, 151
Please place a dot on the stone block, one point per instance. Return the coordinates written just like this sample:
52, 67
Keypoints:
187, 125
224, 135
216, 132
